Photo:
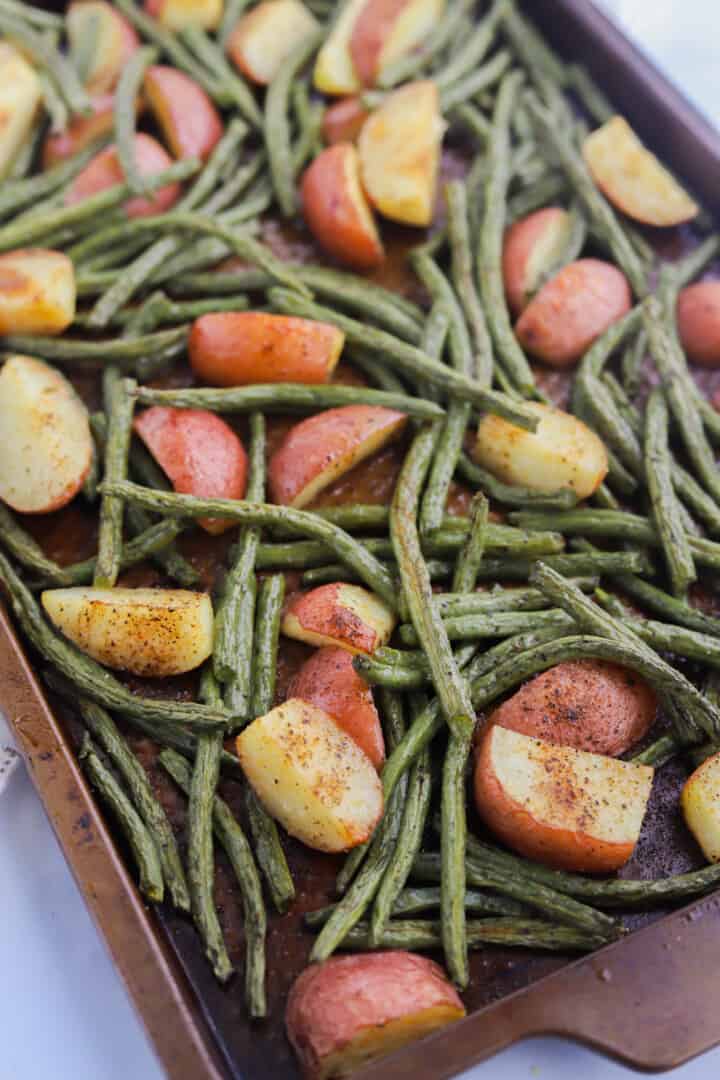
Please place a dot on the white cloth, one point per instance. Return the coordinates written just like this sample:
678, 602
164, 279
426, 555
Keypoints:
9, 757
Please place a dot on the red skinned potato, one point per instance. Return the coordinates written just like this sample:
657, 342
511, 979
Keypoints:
177, 14
319, 450
573, 309
343, 121
586, 704
353, 1009
81, 131
560, 806
633, 179
187, 117
334, 72
399, 148
385, 30
104, 171
37, 292
701, 807
237, 348
265, 36
20, 99
45, 436
199, 452
311, 776
329, 681
336, 210
698, 316
114, 44
338, 614
532, 246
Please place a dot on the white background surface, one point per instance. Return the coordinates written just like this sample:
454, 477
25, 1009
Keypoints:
63, 1013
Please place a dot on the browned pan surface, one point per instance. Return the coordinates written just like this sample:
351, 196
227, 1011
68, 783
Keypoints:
650, 998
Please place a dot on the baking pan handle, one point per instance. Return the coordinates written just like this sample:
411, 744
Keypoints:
651, 1000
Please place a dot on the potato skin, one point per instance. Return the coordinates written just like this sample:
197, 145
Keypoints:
700, 803
189, 121
329, 681
323, 447
343, 121
104, 171
370, 32
586, 704
200, 453
380, 1000
336, 210
698, 316
237, 348
572, 310
81, 131
522, 245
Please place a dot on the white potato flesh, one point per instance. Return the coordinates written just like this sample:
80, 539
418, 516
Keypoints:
177, 14
334, 71
155, 632
570, 791
633, 179
562, 452
700, 801
20, 97
264, 37
45, 436
311, 777
399, 148
37, 292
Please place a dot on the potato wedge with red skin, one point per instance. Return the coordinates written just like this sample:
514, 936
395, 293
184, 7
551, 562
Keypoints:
343, 121
115, 43
386, 30
532, 245
311, 777
329, 681
105, 170
698, 318
199, 452
347, 616
560, 806
700, 802
238, 348
586, 704
265, 36
573, 309
561, 452
336, 210
177, 14
399, 148
350, 1010
320, 449
80, 132
187, 117
45, 436
153, 632
633, 179
37, 292
334, 71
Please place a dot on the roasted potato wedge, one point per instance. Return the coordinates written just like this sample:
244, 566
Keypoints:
339, 614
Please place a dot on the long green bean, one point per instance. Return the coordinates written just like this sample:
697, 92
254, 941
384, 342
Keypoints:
125, 111
408, 359
137, 835
658, 470
489, 267
416, 934
470, 556
104, 729
25, 549
267, 630
51, 59
120, 412
277, 121
231, 88
286, 397
237, 849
